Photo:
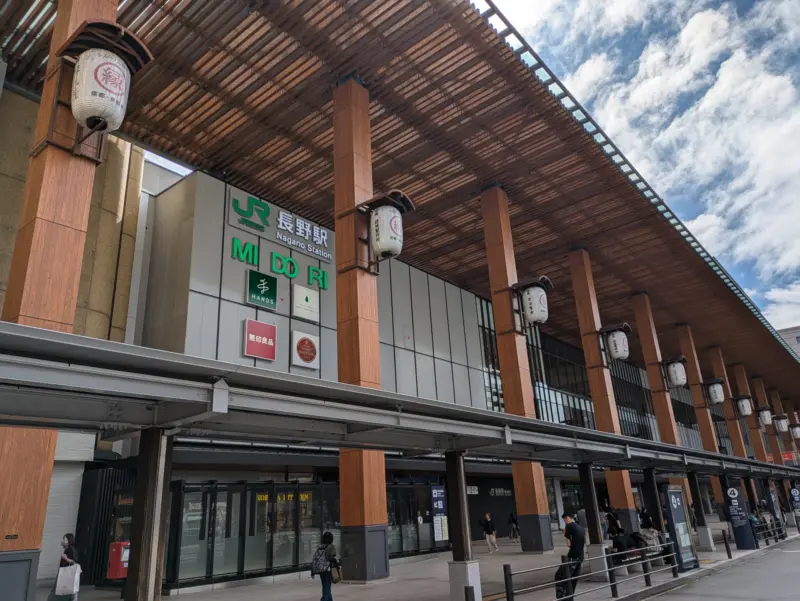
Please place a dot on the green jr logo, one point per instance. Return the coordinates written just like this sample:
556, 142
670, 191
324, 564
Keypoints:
254, 206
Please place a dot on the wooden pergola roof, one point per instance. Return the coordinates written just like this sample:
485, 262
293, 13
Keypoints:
243, 89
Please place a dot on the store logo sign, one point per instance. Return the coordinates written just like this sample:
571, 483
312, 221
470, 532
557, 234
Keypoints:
305, 350
260, 340
254, 216
262, 290
306, 303
246, 252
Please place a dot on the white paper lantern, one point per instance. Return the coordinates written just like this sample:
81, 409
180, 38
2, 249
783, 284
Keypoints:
794, 430
745, 406
534, 304
764, 416
676, 374
781, 423
617, 342
100, 89
716, 393
386, 226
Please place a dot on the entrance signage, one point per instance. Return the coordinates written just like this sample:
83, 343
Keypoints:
257, 216
678, 521
440, 529
246, 252
739, 518
287, 266
305, 350
261, 290
305, 303
260, 340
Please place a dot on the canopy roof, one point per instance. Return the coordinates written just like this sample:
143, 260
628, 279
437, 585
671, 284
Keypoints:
243, 89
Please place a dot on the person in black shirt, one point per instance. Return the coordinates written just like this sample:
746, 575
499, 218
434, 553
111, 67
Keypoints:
69, 556
576, 537
490, 532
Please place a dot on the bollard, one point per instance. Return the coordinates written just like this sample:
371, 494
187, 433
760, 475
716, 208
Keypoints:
568, 584
675, 559
509, 581
469, 593
612, 576
727, 544
646, 568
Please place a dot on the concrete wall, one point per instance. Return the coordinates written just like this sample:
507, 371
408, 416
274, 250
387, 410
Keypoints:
430, 343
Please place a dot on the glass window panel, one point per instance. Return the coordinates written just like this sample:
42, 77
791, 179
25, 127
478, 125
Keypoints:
330, 513
226, 532
194, 549
285, 548
422, 502
310, 519
258, 531
408, 519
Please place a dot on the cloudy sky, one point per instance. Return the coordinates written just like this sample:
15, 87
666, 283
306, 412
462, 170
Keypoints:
704, 99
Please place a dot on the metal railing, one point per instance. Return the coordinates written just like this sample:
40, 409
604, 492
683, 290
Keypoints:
642, 556
767, 529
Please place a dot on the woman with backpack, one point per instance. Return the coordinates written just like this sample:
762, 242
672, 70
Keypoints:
325, 564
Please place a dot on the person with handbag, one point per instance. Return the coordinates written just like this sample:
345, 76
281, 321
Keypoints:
326, 565
68, 572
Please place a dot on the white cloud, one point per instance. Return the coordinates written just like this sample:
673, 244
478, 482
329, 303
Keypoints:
584, 83
783, 306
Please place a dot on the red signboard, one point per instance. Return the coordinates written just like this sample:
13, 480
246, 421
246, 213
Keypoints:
788, 456
260, 340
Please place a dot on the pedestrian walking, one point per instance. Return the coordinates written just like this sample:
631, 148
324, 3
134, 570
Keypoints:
325, 564
513, 524
576, 539
490, 532
69, 557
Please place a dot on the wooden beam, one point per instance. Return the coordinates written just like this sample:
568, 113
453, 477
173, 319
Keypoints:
600, 386
651, 350
362, 474
731, 412
756, 436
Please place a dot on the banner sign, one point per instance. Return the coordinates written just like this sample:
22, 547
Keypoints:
678, 521
440, 530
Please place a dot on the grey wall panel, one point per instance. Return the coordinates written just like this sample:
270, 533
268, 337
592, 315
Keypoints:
385, 326
234, 272
426, 376
477, 388
455, 321
421, 306
201, 326
461, 385
231, 333
401, 306
469, 307
328, 355
388, 381
306, 328
406, 371
209, 208
444, 381
283, 299
284, 334
441, 332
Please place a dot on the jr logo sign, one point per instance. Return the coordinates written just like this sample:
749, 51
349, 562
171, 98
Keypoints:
255, 215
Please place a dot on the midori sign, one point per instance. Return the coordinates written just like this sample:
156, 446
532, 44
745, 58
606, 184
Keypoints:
257, 216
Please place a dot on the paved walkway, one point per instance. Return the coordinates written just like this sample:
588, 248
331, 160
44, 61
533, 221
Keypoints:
427, 580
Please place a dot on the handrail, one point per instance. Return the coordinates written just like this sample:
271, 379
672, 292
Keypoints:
645, 559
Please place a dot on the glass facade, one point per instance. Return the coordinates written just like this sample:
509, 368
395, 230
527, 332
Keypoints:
229, 531
685, 417
721, 429
634, 402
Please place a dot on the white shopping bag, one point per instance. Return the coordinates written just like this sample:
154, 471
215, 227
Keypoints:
69, 580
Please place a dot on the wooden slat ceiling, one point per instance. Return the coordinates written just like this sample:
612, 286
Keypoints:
242, 89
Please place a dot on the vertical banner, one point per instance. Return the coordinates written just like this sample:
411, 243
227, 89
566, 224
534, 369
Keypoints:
440, 530
678, 521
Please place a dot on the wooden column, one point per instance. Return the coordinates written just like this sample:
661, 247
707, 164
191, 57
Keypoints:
704, 420
605, 404
529, 485
731, 413
45, 269
789, 442
362, 474
662, 401
777, 407
756, 438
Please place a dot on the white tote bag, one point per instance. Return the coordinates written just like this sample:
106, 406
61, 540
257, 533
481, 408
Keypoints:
69, 580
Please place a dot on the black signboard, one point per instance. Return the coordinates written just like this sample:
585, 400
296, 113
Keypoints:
678, 522
740, 521
795, 499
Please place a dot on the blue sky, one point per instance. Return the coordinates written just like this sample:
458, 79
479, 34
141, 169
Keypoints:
704, 98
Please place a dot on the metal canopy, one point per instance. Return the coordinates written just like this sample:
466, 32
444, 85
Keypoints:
242, 89
51, 379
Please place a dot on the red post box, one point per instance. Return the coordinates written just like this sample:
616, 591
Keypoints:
118, 560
